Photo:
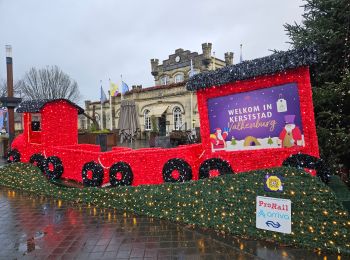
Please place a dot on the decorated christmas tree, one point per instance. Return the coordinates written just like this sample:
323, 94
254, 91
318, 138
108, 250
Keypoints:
326, 27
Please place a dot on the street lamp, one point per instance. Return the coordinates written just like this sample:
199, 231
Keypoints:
10, 102
8, 51
9, 70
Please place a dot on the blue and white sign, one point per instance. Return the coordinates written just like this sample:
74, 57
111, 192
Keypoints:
274, 214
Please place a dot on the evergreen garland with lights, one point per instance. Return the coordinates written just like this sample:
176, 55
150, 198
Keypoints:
226, 203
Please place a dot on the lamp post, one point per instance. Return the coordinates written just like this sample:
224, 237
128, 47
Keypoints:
10, 102
11, 115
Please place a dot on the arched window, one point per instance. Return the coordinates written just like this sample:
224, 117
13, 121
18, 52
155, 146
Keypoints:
179, 78
147, 120
164, 80
177, 118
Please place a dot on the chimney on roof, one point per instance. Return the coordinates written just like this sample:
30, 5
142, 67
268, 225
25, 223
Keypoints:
206, 48
228, 58
154, 66
136, 87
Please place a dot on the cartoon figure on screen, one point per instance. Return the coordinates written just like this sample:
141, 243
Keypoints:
290, 134
218, 138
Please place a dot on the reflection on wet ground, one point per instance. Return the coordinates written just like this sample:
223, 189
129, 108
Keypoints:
33, 227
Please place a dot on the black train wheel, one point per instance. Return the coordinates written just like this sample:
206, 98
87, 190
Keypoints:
223, 167
302, 161
183, 168
53, 167
97, 174
38, 160
120, 174
13, 156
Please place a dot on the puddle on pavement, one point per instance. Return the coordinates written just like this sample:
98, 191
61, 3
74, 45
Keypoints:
30, 244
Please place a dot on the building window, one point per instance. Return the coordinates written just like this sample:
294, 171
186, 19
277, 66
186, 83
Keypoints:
164, 80
177, 118
147, 120
179, 78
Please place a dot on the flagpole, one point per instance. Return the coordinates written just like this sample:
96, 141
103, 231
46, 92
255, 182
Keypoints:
121, 84
101, 117
110, 103
191, 74
214, 61
241, 55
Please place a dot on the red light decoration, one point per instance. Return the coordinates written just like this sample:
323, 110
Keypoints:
58, 138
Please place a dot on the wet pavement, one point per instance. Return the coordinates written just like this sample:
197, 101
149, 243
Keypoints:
36, 227
33, 227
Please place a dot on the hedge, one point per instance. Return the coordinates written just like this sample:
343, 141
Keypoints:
226, 204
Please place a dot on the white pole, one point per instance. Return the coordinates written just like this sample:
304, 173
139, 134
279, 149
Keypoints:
121, 85
110, 109
214, 61
191, 123
241, 54
101, 117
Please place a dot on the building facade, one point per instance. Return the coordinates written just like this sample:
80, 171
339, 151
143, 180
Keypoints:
173, 107
177, 67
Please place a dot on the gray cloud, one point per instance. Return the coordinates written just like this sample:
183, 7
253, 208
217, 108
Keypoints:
95, 40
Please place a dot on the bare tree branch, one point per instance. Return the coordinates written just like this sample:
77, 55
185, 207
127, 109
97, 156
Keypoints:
16, 88
50, 83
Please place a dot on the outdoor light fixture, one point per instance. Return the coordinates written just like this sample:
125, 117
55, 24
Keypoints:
8, 51
10, 101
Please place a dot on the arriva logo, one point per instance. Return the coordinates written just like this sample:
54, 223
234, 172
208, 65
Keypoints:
270, 214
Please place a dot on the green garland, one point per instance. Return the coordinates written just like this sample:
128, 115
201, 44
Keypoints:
225, 203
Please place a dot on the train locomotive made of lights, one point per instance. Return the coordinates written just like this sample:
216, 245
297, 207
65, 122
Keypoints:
241, 109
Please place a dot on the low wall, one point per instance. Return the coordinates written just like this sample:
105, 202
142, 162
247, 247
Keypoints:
91, 138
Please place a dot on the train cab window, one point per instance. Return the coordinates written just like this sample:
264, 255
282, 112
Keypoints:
36, 122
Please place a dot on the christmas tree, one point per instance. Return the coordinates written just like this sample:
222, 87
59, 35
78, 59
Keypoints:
233, 141
326, 26
270, 141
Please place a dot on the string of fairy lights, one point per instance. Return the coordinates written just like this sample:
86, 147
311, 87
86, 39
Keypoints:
225, 204
277, 62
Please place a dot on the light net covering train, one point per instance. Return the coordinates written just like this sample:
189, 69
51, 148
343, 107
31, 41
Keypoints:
254, 115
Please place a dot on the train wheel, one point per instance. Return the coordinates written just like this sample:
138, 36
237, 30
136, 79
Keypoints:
303, 161
13, 156
177, 170
214, 164
96, 171
38, 160
53, 167
120, 174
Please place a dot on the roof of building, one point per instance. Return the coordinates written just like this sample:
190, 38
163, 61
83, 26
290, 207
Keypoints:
268, 65
35, 106
139, 90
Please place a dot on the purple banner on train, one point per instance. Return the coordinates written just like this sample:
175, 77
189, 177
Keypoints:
264, 118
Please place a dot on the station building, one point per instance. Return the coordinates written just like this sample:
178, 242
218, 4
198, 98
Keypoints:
174, 107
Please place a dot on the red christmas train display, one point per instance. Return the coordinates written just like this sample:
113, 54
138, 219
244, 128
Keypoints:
254, 115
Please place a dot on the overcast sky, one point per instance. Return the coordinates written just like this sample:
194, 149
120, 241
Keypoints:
93, 40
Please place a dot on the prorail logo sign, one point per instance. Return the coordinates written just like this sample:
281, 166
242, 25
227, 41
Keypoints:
274, 214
